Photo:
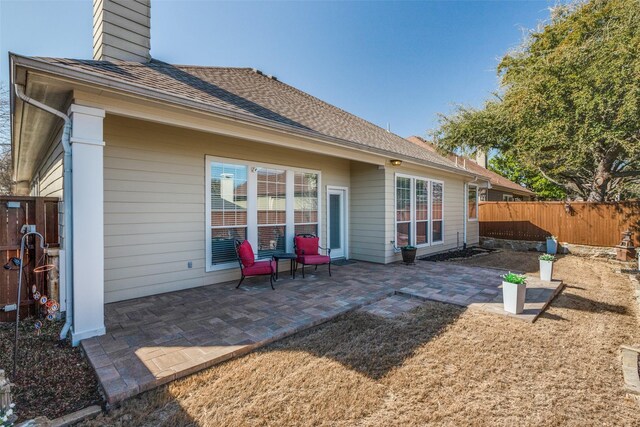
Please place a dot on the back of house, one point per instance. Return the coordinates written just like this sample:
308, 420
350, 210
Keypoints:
168, 164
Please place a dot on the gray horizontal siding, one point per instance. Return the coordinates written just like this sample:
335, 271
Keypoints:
367, 215
154, 202
453, 198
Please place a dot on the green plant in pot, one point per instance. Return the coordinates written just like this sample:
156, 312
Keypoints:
514, 292
546, 266
409, 254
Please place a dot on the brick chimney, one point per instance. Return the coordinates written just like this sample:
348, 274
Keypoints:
122, 30
481, 158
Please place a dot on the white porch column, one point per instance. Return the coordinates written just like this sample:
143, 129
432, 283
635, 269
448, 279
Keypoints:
87, 144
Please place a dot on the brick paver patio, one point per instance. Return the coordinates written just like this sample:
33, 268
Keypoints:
153, 340
392, 306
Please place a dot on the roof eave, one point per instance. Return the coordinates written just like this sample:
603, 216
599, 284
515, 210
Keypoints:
523, 191
151, 94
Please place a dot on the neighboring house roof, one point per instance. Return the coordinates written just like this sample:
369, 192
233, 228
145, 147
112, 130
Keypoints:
496, 180
248, 94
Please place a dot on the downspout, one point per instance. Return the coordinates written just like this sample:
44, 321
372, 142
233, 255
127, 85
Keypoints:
68, 230
465, 217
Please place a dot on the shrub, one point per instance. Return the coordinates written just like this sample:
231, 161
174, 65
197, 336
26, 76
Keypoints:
547, 257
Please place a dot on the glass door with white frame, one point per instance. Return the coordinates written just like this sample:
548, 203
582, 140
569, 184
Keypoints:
336, 222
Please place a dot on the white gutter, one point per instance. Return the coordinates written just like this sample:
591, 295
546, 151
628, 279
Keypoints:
68, 231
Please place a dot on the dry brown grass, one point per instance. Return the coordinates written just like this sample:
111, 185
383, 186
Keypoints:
437, 365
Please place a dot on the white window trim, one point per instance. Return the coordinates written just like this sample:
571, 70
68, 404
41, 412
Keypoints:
439, 242
292, 209
412, 222
467, 202
345, 219
252, 212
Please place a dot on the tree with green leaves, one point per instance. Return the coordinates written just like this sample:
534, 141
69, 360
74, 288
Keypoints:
569, 103
530, 178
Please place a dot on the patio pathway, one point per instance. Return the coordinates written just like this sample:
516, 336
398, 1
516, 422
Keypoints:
392, 306
151, 341
480, 289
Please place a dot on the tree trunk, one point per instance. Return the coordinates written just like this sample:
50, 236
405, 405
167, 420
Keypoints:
601, 180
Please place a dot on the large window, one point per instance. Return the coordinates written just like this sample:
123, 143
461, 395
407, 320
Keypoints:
265, 204
272, 211
228, 210
306, 203
422, 211
403, 211
472, 202
437, 212
419, 211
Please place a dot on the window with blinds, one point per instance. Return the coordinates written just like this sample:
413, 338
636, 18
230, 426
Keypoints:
264, 204
403, 211
419, 211
437, 212
228, 211
306, 203
272, 213
422, 211
472, 202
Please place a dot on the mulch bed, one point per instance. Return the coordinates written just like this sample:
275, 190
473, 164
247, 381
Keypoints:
462, 253
53, 377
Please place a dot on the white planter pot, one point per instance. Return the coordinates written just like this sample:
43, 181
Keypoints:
546, 270
513, 296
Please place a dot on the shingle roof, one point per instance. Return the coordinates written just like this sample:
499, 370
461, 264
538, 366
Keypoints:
245, 91
495, 179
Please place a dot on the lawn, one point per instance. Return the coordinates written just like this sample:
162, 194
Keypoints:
439, 364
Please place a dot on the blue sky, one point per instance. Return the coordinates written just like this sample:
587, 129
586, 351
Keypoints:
388, 62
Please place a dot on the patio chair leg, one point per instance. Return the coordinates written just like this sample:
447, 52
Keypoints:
271, 281
303, 271
316, 267
240, 282
329, 269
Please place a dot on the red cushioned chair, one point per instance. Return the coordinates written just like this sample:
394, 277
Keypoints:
307, 247
248, 265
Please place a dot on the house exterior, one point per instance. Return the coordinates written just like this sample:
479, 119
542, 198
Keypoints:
169, 164
500, 189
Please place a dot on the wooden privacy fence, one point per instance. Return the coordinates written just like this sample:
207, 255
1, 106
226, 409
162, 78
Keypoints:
582, 223
14, 213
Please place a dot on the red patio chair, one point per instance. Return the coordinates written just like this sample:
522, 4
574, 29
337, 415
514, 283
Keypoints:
249, 266
307, 247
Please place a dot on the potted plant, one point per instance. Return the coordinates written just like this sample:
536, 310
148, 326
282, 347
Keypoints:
546, 266
552, 245
514, 291
409, 254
